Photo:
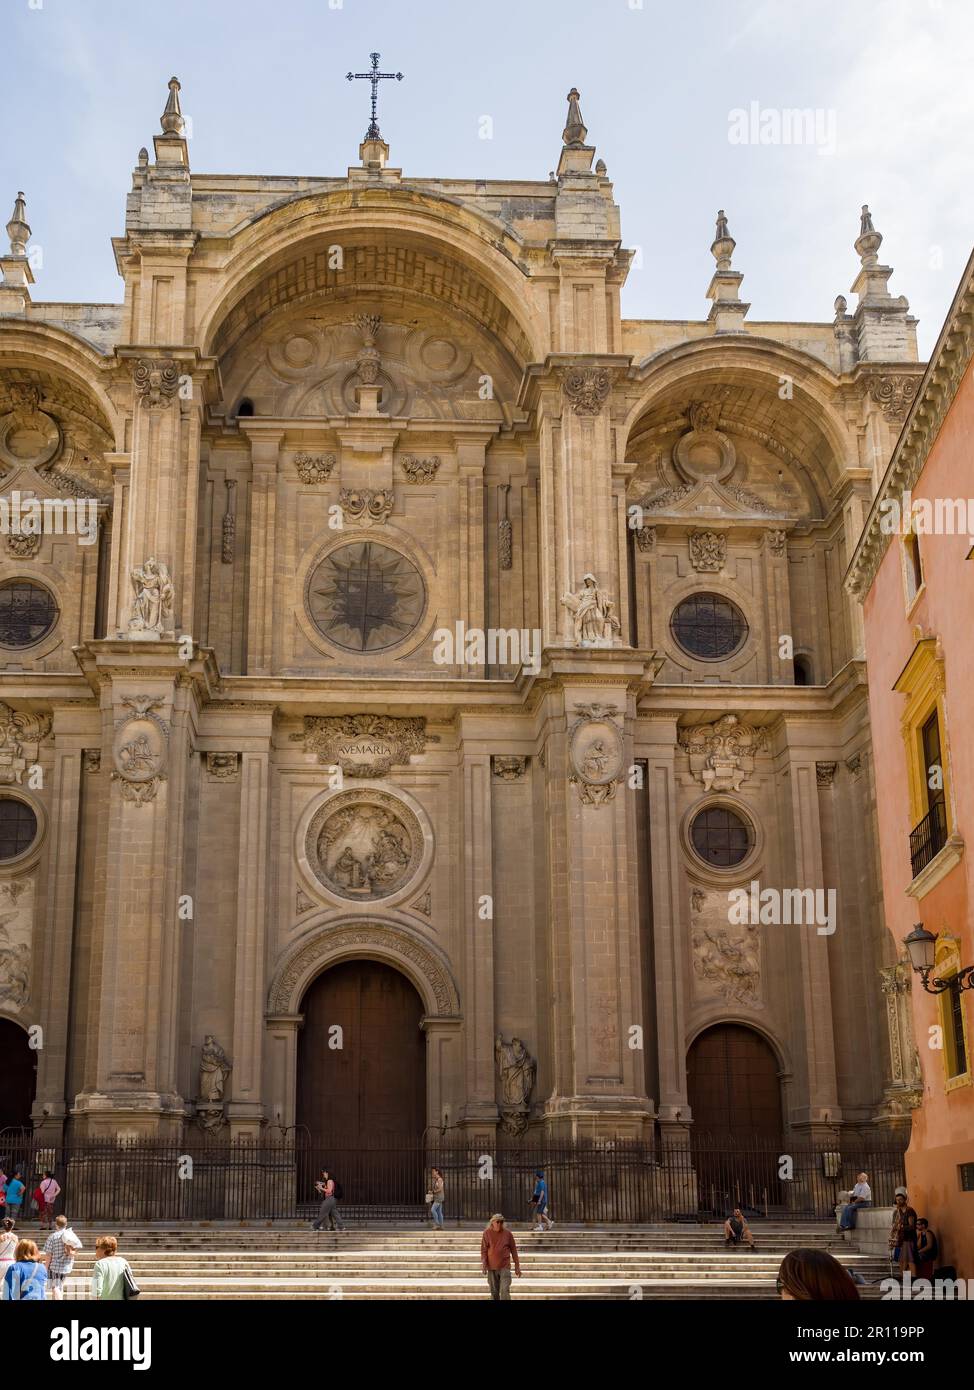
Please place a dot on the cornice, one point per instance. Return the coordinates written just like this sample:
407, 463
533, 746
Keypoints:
937, 391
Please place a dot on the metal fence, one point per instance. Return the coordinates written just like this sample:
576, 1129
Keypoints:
607, 1181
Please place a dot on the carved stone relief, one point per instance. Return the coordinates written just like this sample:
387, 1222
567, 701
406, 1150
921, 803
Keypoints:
508, 767
152, 607
364, 845
595, 751
140, 749
708, 551
420, 470
156, 381
362, 745
722, 754
222, 767
586, 388
593, 619
726, 958
16, 932
366, 506
21, 734
315, 468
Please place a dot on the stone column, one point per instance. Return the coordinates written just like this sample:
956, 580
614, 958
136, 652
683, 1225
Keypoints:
52, 995
476, 839
595, 953
281, 1042
265, 456
778, 592
471, 460
810, 990
658, 744
246, 1110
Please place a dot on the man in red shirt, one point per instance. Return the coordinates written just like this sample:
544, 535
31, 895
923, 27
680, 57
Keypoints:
497, 1250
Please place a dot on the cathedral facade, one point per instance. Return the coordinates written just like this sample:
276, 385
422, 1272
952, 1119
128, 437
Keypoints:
450, 675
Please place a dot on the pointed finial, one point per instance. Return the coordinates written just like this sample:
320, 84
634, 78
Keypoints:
143, 158
600, 168
172, 118
17, 229
869, 240
575, 132
841, 305
722, 247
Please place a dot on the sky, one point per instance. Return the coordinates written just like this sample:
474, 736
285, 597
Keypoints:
889, 81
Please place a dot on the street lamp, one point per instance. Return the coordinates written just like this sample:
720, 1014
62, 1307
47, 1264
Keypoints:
922, 946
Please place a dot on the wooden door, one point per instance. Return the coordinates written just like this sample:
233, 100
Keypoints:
373, 1087
733, 1086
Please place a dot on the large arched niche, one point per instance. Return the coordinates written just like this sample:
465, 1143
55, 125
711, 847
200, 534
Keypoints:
774, 405
391, 240
325, 944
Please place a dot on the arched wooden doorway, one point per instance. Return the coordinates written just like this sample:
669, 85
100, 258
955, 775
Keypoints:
373, 1086
735, 1100
18, 1076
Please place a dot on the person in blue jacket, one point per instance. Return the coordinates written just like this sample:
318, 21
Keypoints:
539, 1200
25, 1279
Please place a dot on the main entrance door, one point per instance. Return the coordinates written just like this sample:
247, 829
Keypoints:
18, 1076
735, 1100
366, 1082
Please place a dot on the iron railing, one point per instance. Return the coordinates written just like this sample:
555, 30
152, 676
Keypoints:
929, 837
589, 1182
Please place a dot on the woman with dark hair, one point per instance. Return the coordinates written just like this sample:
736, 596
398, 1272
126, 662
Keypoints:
814, 1276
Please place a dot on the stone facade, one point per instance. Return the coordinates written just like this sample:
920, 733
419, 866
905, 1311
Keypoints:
487, 773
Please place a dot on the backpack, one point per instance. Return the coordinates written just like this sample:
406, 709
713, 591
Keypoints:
339, 1191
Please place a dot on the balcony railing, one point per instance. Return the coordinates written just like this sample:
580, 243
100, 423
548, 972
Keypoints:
929, 837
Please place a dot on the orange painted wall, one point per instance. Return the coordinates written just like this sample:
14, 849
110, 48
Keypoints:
943, 1127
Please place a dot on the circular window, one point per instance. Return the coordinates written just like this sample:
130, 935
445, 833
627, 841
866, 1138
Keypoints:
27, 613
721, 837
18, 827
366, 597
708, 626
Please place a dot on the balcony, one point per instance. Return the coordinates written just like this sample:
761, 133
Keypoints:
929, 837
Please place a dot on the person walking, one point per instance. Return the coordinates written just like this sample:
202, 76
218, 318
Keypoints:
539, 1200
437, 1194
16, 1187
328, 1214
48, 1190
26, 1277
108, 1274
8, 1244
498, 1250
860, 1196
58, 1255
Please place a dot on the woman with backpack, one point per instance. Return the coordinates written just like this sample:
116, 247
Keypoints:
328, 1213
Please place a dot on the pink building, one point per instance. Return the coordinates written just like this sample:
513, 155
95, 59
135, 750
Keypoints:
913, 570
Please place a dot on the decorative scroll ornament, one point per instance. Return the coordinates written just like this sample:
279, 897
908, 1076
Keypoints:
508, 767
315, 468
222, 767
517, 1070
593, 620
722, 753
708, 551
21, 734
152, 608
587, 388
156, 381
646, 539
24, 546
505, 534
140, 749
894, 395
362, 745
365, 507
229, 523
420, 470
595, 752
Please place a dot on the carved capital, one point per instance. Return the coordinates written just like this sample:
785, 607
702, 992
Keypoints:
156, 381
587, 388
894, 394
508, 767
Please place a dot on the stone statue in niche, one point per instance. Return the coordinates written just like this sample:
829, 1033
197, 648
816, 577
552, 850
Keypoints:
518, 1071
215, 1067
152, 608
593, 620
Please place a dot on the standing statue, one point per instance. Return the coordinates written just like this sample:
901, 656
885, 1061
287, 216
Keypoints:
152, 610
592, 616
517, 1069
215, 1067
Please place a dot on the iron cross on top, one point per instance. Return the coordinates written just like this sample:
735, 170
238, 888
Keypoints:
375, 77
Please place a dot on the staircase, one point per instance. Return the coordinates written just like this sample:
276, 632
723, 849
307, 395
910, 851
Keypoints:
282, 1260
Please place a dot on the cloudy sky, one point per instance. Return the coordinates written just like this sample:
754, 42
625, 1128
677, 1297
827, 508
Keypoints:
889, 81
